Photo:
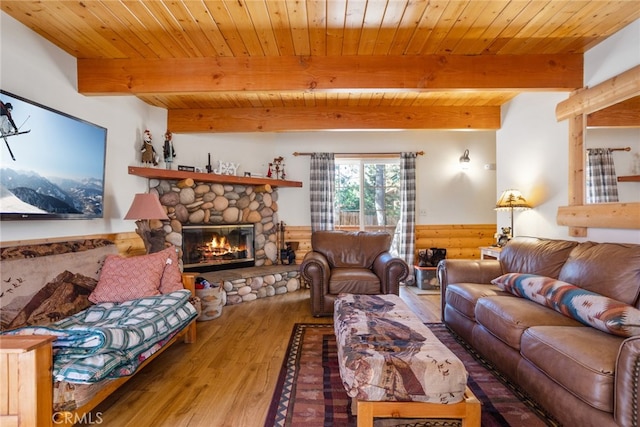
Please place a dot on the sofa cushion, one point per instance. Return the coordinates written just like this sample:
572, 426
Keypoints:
582, 360
124, 279
350, 249
533, 255
463, 296
353, 281
508, 318
609, 269
603, 313
171, 280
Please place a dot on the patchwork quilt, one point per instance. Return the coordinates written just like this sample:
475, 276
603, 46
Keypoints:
386, 354
109, 340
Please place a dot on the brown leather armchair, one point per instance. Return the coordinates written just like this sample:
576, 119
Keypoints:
350, 262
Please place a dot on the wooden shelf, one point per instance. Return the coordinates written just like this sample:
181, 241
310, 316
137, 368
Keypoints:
168, 174
630, 178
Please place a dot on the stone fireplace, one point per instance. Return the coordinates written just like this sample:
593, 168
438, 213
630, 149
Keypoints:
191, 203
214, 204
217, 247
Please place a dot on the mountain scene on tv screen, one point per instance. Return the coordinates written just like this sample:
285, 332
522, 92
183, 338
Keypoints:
29, 192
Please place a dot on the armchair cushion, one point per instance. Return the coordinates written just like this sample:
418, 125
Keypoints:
350, 249
353, 281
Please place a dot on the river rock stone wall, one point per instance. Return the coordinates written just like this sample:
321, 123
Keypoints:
218, 204
200, 203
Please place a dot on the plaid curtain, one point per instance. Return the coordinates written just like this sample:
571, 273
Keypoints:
322, 189
602, 184
403, 245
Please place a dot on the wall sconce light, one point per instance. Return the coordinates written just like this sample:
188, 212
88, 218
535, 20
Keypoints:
510, 200
464, 160
145, 207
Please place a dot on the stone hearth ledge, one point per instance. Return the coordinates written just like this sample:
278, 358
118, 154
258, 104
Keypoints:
251, 283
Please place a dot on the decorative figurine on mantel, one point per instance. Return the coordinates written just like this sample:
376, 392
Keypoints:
148, 152
276, 169
169, 151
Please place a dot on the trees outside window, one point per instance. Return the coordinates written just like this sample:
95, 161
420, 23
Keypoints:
367, 194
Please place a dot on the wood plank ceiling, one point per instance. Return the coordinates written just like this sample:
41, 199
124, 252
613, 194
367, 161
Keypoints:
278, 65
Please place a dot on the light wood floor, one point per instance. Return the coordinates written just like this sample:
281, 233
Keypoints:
228, 376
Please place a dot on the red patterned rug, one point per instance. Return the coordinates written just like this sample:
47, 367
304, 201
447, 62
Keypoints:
309, 392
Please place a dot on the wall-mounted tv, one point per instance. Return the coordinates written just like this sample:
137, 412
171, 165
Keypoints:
53, 167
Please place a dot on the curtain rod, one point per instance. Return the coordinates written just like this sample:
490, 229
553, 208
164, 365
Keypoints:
363, 155
621, 149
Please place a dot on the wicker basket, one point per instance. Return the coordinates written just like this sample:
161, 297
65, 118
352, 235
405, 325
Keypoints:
212, 300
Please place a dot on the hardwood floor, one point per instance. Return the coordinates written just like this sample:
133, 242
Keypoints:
228, 376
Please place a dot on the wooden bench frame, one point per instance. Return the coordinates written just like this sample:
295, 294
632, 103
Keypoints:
469, 410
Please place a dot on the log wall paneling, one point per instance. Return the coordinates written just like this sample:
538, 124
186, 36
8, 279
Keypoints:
461, 240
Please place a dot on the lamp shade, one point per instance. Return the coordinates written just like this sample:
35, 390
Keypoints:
512, 199
146, 206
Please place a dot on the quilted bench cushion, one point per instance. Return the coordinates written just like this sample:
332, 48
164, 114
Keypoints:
386, 353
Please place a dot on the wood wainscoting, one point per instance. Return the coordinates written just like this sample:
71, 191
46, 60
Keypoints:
460, 240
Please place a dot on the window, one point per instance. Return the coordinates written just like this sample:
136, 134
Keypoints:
367, 194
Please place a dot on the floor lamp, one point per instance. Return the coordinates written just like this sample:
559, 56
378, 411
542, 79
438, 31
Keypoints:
510, 200
145, 207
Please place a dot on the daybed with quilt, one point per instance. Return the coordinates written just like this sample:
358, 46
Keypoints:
109, 317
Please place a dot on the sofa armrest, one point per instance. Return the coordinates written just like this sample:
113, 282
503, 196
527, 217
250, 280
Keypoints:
390, 271
315, 270
627, 386
466, 271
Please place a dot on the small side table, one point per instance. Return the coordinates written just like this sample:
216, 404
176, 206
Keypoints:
490, 252
426, 278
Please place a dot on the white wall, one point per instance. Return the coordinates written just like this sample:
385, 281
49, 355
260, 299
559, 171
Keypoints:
35, 69
532, 147
532, 153
445, 193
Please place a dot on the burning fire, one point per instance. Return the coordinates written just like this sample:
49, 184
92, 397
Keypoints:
219, 245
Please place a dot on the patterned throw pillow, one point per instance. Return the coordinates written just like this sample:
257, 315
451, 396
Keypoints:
123, 279
171, 277
587, 307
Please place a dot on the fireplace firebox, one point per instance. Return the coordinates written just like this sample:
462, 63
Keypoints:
217, 247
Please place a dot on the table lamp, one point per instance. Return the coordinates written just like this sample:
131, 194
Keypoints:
509, 200
145, 207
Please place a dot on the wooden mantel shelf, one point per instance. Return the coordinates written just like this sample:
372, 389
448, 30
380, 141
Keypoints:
168, 174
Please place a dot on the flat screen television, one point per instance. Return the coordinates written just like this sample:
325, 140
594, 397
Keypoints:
53, 168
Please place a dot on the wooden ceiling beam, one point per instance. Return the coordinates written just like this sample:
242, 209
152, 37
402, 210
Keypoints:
623, 86
317, 118
317, 73
623, 114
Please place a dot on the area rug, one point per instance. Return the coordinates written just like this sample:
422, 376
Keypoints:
309, 391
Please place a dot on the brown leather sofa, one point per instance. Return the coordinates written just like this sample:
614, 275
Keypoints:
350, 262
579, 374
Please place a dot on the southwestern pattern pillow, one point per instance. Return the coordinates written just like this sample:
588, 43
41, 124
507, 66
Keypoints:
587, 307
